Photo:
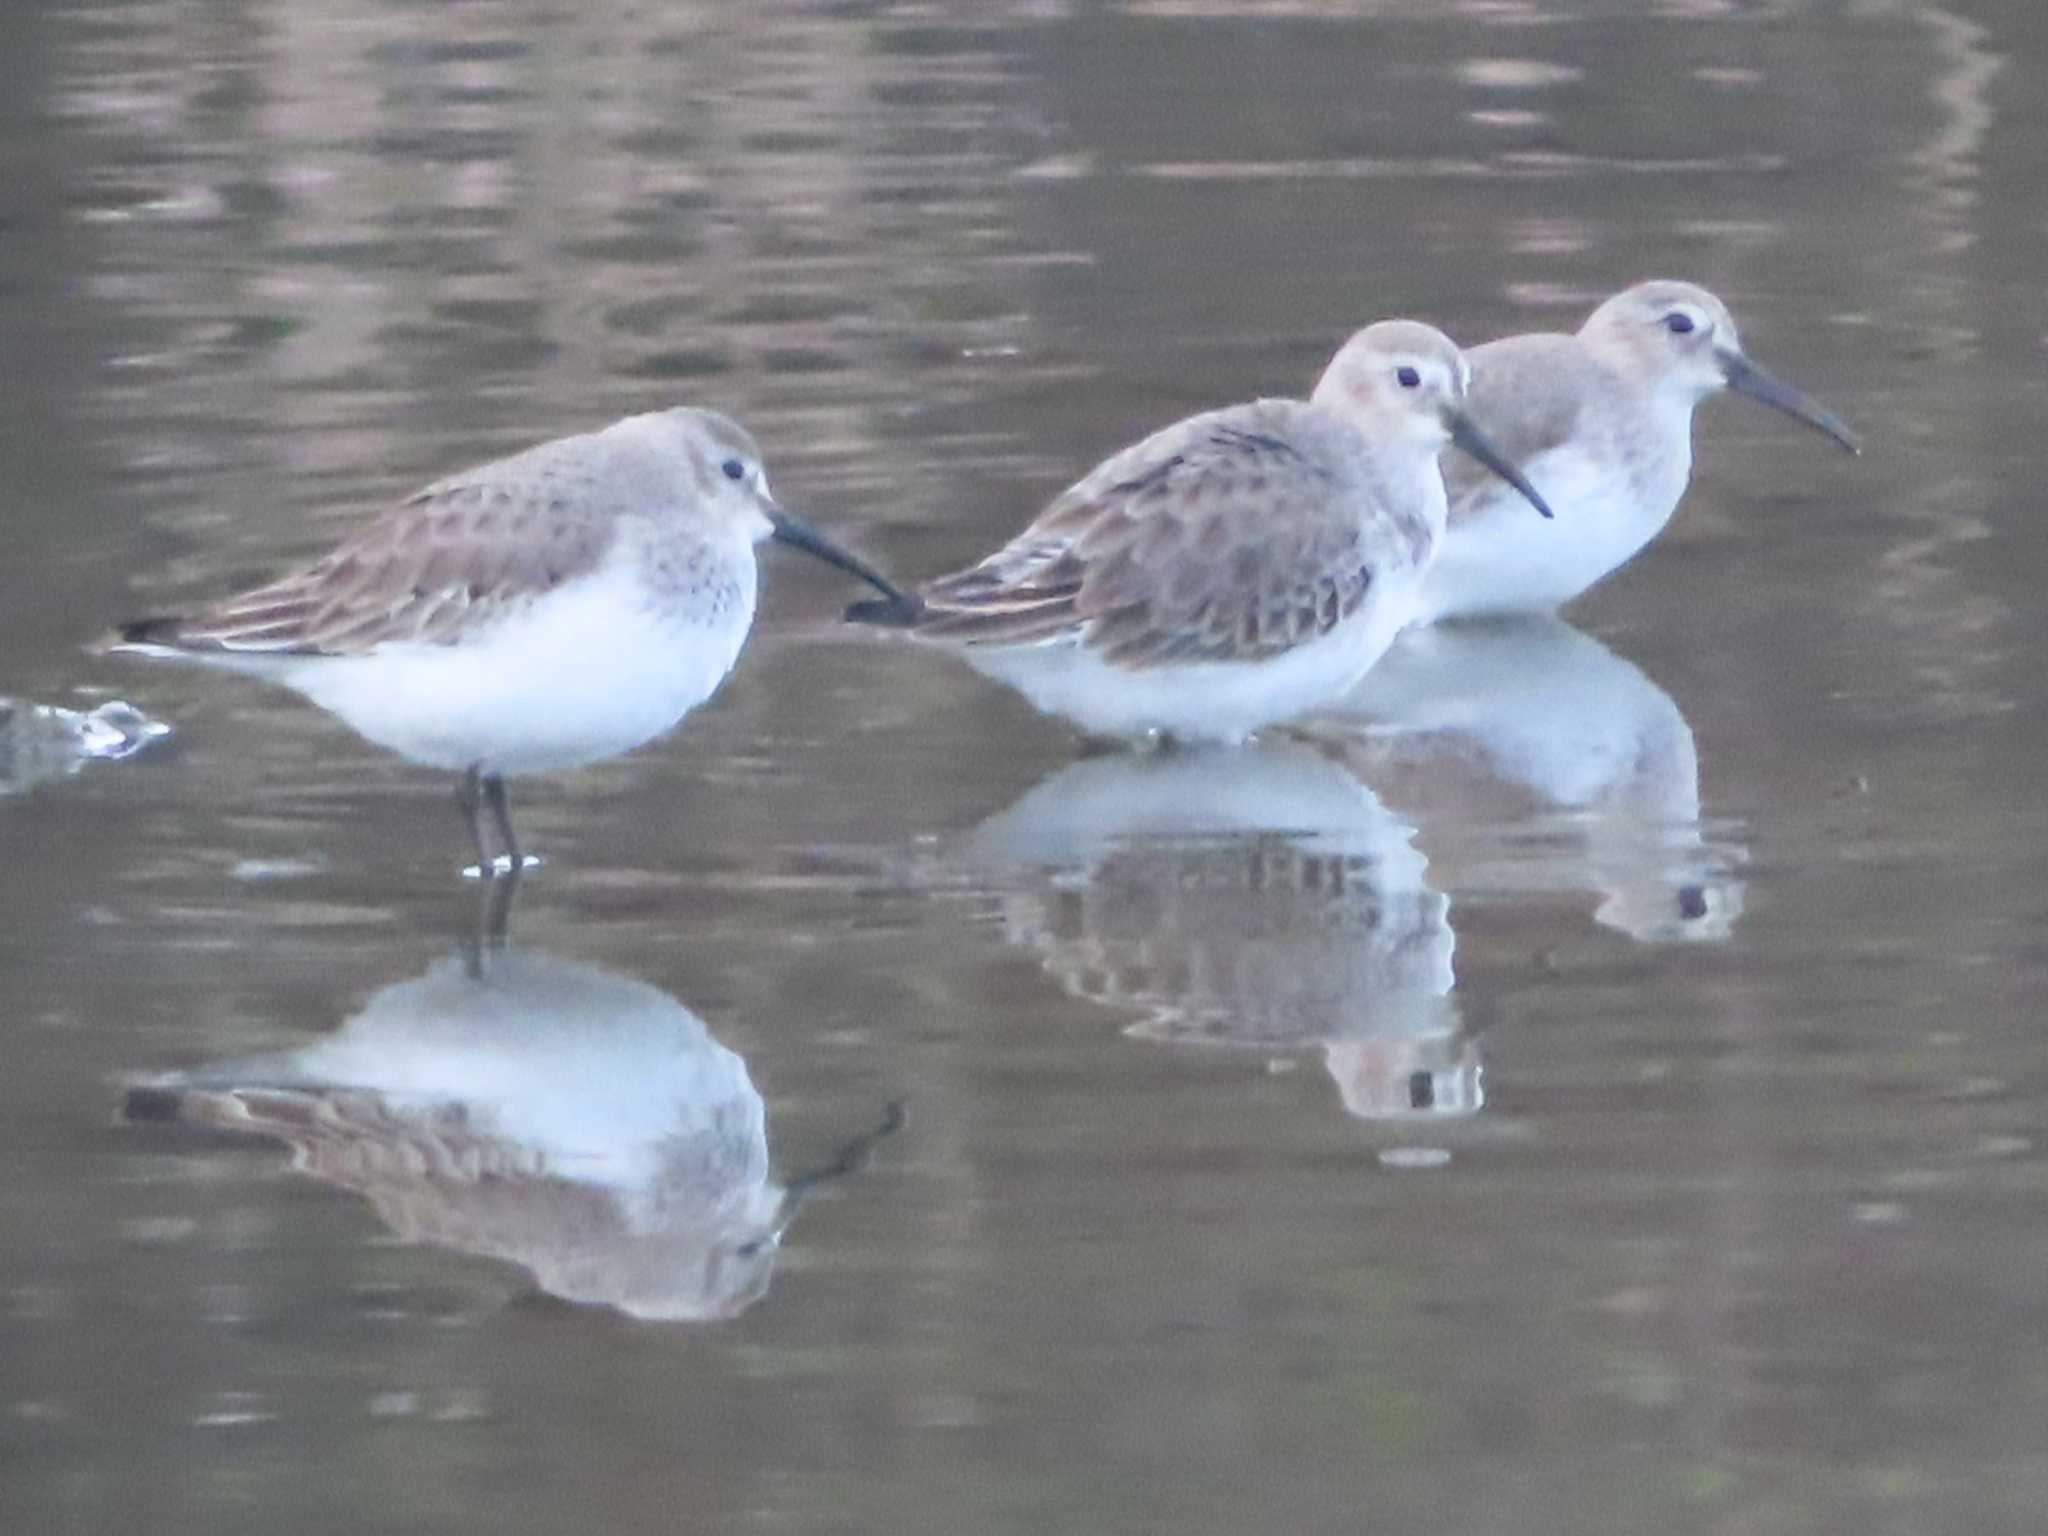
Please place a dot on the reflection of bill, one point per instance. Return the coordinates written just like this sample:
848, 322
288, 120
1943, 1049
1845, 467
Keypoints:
1535, 759
581, 1124
1260, 898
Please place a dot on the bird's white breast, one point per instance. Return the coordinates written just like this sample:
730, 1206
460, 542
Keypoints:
1500, 557
597, 667
1221, 701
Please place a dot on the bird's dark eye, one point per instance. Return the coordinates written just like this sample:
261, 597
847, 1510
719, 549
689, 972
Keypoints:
734, 469
1678, 322
1409, 378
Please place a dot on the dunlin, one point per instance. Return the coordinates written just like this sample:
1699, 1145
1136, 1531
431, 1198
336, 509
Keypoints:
1601, 423
539, 612
1234, 569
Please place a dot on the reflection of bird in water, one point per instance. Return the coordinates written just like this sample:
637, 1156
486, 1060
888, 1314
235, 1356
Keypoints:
1537, 759
579, 1123
1260, 898
41, 742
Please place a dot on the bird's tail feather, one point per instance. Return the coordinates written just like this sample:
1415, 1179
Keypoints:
160, 629
887, 612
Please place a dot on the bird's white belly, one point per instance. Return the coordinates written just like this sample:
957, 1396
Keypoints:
586, 673
1203, 700
1503, 558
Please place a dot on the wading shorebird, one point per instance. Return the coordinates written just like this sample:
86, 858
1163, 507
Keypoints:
537, 613
1601, 423
1234, 569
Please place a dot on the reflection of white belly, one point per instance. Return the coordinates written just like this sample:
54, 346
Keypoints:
603, 1079
1603, 768
1545, 707
586, 673
1201, 701
1502, 558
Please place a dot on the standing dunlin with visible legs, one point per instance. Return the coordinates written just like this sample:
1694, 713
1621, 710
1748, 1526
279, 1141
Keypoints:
1235, 569
1601, 423
542, 611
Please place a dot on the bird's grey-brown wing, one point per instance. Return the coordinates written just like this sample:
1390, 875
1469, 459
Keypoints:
433, 569
1525, 396
1231, 536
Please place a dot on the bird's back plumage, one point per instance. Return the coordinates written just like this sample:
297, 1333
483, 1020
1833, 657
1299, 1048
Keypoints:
434, 569
1235, 535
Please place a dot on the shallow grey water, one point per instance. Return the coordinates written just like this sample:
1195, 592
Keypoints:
1611, 1101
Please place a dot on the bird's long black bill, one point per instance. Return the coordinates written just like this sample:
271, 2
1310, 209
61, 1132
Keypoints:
1747, 378
794, 531
1470, 439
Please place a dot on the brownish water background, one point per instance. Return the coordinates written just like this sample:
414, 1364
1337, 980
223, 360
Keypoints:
1749, 1234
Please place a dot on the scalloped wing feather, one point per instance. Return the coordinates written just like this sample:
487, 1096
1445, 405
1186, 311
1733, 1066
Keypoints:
1232, 536
435, 569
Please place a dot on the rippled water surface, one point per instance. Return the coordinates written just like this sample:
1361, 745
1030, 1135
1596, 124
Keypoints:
1594, 1084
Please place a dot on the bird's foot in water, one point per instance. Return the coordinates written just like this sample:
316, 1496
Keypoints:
501, 866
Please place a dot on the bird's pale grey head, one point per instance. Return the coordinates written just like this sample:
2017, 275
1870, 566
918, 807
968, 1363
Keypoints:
1670, 333
1678, 337
715, 463
720, 478
1397, 378
1400, 381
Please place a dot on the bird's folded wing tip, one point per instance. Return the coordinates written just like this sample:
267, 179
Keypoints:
888, 612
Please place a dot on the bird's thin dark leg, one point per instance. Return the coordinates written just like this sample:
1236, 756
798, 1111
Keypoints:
469, 796
501, 814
